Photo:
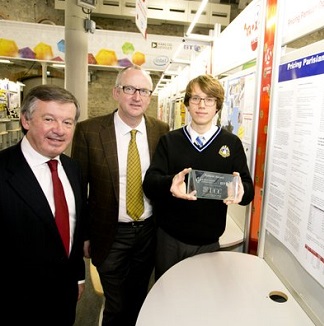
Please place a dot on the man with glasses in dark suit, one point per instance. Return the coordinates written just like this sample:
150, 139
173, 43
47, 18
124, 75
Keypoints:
120, 247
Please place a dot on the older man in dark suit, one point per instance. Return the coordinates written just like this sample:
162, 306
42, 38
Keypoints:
43, 271
121, 248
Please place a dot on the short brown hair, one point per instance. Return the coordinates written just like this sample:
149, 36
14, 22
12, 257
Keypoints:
210, 86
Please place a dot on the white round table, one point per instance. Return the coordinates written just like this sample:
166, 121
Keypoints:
221, 288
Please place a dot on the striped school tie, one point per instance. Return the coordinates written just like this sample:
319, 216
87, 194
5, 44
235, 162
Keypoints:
200, 141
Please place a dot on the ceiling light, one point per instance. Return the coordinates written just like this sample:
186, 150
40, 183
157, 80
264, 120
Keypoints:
197, 16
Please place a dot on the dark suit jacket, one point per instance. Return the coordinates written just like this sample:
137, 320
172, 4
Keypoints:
40, 283
94, 146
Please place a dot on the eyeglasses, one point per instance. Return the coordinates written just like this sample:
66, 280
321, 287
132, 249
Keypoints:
130, 90
209, 101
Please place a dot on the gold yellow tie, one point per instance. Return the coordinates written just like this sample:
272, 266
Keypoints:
134, 190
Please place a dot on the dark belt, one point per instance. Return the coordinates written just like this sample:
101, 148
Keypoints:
136, 224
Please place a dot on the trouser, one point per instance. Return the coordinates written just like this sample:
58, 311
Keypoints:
126, 272
170, 251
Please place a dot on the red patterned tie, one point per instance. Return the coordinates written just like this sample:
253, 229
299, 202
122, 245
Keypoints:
61, 208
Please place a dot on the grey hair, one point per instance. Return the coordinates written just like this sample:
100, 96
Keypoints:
47, 93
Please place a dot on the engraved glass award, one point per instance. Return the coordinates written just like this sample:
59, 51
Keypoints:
212, 185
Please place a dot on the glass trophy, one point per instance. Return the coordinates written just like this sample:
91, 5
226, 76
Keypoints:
212, 185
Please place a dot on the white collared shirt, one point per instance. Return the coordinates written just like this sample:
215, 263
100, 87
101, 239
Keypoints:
41, 170
122, 131
207, 135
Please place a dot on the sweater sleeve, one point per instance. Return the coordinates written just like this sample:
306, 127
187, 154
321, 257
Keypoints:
157, 181
240, 165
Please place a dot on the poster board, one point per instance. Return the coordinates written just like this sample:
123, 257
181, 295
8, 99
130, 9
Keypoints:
240, 41
293, 210
301, 18
237, 116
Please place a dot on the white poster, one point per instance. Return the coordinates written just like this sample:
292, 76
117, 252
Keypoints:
301, 18
294, 209
239, 42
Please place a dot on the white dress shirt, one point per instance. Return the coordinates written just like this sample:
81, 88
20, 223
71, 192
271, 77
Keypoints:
122, 131
41, 170
207, 135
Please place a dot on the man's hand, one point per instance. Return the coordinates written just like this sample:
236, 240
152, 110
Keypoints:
178, 187
81, 290
240, 192
87, 249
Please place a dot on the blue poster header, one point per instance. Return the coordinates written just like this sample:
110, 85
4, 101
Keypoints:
304, 67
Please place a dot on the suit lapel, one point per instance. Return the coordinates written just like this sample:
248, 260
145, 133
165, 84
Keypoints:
26, 185
108, 140
70, 171
153, 135
73, 179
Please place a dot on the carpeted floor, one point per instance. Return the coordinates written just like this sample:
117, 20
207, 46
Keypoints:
88, 308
